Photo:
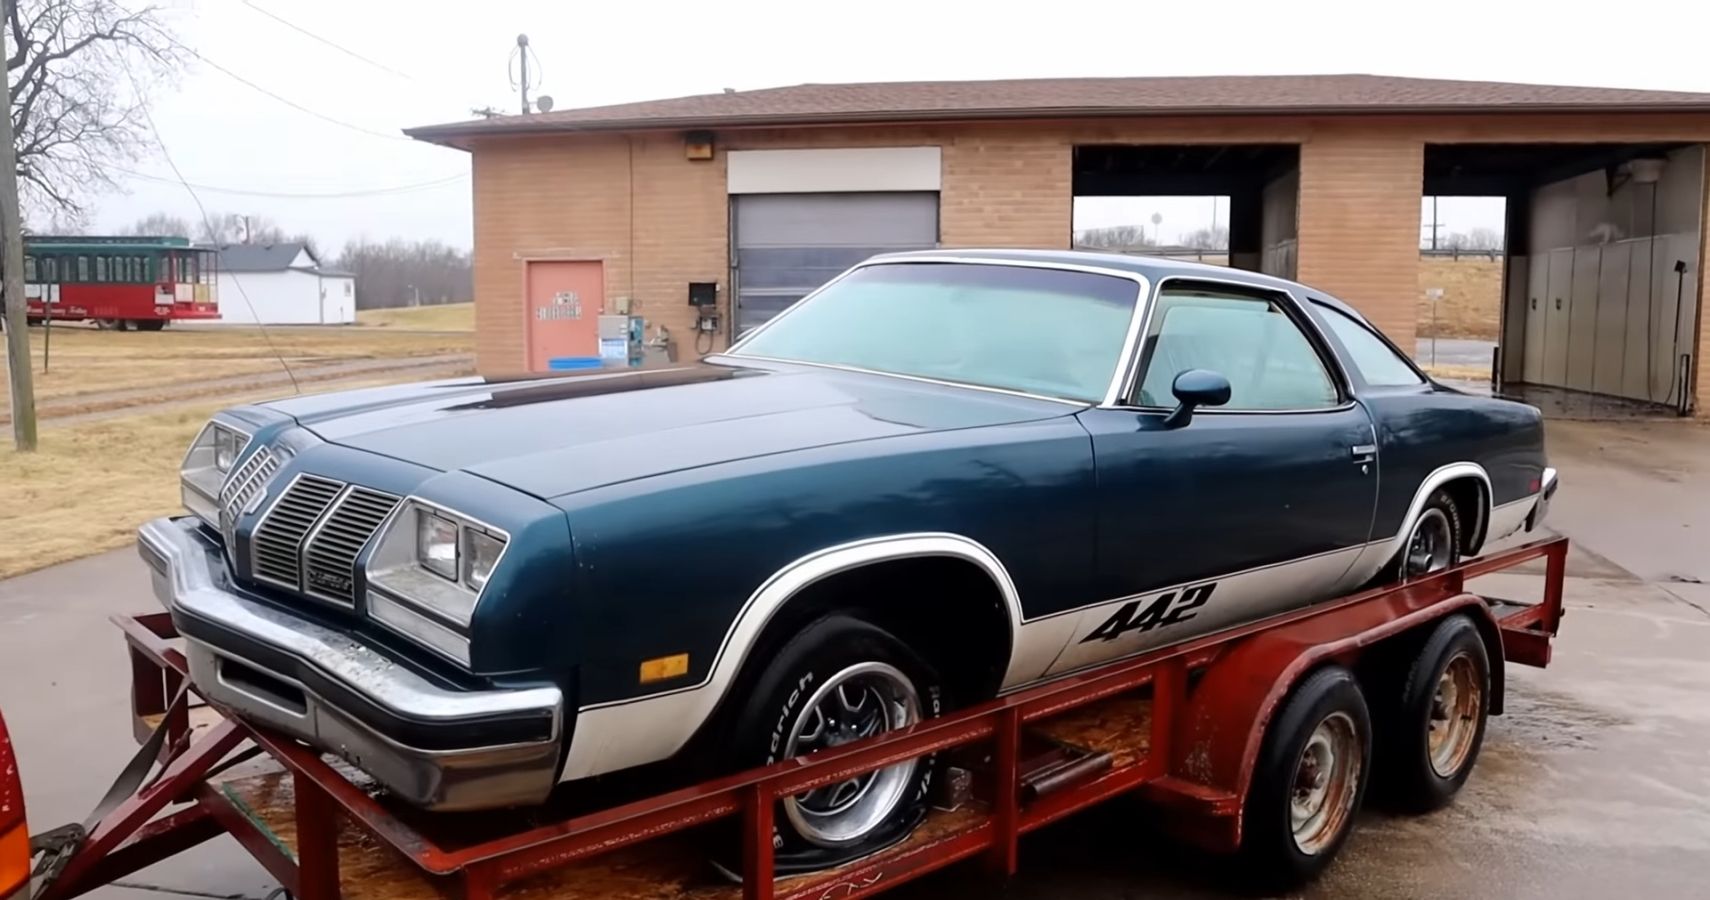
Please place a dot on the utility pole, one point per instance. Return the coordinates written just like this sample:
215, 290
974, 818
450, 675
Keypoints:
12, 286
522, 58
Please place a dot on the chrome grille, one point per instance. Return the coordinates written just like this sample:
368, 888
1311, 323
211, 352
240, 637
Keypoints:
329, 559
274, 547
242, 487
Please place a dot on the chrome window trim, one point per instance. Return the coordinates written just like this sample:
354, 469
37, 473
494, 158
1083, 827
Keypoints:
1123, 360
1324, 349
462, 518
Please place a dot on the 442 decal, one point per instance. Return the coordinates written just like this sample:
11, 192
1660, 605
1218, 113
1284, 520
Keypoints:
1168, 608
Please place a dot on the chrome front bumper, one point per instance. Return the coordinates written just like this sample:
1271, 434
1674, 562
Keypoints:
436, 747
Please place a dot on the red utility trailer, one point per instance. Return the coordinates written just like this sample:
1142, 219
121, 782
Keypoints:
1242, 739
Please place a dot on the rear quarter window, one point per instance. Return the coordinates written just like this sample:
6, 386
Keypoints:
1376, 361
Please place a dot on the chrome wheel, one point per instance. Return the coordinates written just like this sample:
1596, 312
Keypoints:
859, 702
1326, 781
1454, 716
1431, 546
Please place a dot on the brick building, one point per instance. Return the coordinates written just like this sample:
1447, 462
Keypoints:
758, 196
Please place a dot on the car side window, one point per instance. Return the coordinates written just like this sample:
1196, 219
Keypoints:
1376, 361
1249, 339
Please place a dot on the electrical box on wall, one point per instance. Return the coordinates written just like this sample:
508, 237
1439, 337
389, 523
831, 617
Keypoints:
703, 296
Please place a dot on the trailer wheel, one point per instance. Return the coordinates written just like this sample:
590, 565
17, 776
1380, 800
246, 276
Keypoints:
1309, 780
839, 680
1432, 738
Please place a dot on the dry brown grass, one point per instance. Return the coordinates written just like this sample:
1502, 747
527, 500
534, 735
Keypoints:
89, 486
1471, 306
442, 317
88, 361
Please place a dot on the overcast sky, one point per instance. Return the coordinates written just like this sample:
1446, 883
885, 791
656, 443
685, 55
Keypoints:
439, 59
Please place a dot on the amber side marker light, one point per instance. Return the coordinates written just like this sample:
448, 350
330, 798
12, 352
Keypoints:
14, 833
665, 667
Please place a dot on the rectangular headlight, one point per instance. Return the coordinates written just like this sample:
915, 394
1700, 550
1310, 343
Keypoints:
436, 544
481, 554
226, 446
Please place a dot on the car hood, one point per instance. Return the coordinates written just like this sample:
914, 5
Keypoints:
558, 435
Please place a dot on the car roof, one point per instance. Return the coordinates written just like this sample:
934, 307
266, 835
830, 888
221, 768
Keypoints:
1154, 268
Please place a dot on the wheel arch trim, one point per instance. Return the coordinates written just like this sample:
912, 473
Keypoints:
622, 733
1439, 477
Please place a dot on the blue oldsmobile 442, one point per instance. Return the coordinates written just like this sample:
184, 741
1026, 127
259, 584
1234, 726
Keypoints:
941, 477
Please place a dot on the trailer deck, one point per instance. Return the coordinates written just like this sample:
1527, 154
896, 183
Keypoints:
1180, 727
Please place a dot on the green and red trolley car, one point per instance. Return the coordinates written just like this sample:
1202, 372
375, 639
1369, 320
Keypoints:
119, 282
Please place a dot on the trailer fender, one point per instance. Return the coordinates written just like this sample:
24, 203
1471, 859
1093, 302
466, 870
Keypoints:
1220, 730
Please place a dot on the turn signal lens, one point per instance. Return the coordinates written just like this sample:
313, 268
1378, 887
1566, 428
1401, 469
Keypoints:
14, 832
14, 862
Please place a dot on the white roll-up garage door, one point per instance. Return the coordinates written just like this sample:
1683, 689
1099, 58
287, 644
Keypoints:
789, 244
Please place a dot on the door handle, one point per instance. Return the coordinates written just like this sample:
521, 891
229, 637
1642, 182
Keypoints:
1364, 453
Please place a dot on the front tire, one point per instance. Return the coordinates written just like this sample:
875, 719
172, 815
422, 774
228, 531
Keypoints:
839, 680
1309, 781
1442, 706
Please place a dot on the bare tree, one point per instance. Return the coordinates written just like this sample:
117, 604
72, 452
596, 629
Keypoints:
405, 273
77, 70
1114, 237
1215, 237
159, 225
1476, 240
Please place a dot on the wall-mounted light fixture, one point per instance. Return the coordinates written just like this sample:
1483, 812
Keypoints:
698, 145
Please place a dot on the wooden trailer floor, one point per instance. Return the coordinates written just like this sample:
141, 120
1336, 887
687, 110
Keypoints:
671, 868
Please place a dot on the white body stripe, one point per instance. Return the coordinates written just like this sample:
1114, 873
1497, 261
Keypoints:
621, 734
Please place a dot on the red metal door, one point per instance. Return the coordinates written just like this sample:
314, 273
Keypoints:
565, 299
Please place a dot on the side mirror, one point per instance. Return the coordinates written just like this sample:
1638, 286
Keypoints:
1195, 388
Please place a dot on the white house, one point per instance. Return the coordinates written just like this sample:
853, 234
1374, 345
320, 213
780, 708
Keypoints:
282, 284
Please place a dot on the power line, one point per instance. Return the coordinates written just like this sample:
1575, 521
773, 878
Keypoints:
291, 103
330, 43
330, 195
208, 223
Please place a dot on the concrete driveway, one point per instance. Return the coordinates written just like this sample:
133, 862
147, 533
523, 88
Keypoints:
1593, 785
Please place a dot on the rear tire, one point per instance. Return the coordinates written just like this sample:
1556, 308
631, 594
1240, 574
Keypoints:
839, 680
1433, 542
1432, 735
150, 324
1309, 780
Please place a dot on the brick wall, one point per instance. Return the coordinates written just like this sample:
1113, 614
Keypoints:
1007, 191
1359, 223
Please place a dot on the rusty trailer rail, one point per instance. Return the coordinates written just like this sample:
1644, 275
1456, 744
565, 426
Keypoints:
1185, 745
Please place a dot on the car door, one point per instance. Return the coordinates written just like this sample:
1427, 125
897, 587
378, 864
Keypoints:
1249, 509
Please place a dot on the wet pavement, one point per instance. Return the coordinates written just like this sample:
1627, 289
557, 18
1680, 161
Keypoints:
1595, 784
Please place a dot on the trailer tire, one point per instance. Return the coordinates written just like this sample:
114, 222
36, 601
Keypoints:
1433, 732
802, 699
1309, 780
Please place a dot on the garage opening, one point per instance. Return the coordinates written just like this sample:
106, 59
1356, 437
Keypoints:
1601, 266
1458, 312
1186, 200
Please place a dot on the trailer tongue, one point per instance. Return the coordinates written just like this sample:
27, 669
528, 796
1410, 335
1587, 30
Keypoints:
1257, 740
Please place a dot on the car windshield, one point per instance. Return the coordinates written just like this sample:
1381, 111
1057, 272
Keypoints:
1054, 332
